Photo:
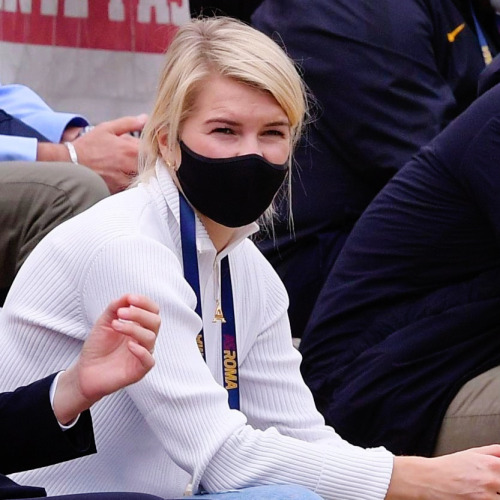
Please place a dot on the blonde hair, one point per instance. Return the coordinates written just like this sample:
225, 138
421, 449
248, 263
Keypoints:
226, 47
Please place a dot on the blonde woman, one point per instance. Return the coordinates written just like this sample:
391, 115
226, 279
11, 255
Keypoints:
225, 407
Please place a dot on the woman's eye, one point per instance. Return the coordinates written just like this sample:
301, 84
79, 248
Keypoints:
223, 130
278, 133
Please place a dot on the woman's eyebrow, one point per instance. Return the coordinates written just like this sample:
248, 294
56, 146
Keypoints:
279, 123
234, 123
222, 120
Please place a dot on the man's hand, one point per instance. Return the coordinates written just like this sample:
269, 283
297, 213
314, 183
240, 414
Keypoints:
108, 149
111, 151
117, 352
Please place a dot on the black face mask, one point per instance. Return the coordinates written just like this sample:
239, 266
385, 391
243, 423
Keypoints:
231, 191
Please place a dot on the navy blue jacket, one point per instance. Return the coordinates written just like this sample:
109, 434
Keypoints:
13, 126
31, 437
241, 9
388, 76
411, 309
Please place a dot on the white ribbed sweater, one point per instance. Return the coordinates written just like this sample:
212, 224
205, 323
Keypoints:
175, 427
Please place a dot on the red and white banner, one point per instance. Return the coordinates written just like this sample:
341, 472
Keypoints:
100, 58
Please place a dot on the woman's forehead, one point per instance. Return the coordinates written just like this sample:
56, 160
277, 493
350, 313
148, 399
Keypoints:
223, 97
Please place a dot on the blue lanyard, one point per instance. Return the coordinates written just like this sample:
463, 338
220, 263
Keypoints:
228, 326
485, 49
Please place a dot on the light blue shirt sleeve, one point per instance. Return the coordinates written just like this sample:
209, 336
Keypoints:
13, 148
26, 105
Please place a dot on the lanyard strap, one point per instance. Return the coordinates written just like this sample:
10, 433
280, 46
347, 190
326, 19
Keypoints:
190, 260
485, 49
228, 326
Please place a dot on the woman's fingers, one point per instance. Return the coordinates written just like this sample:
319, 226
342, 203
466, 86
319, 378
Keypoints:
145, 337
144, 356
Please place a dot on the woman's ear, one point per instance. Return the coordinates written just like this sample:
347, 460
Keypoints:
171, 157
163, 144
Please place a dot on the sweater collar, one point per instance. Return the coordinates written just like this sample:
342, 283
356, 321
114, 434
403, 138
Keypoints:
203, 242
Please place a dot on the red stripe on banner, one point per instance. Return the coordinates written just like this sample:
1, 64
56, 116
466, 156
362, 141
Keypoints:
124, 25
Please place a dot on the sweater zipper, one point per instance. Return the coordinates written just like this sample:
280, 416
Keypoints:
218, 315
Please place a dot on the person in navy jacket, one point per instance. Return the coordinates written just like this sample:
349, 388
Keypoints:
240, 9
410, 311
49, 421
388, 76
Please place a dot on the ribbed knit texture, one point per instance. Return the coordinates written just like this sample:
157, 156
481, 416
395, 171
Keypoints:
175, 426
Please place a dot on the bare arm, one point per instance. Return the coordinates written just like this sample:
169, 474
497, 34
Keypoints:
470, 474
47, 151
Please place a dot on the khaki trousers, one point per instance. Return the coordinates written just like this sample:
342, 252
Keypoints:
473, 417
34, 198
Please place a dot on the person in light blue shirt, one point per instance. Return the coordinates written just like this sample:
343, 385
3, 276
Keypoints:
30, 130
53, 165
26, 105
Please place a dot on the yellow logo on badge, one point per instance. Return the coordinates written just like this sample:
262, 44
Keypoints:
452, 35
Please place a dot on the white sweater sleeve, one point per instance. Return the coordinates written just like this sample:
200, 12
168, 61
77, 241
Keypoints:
274, 393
